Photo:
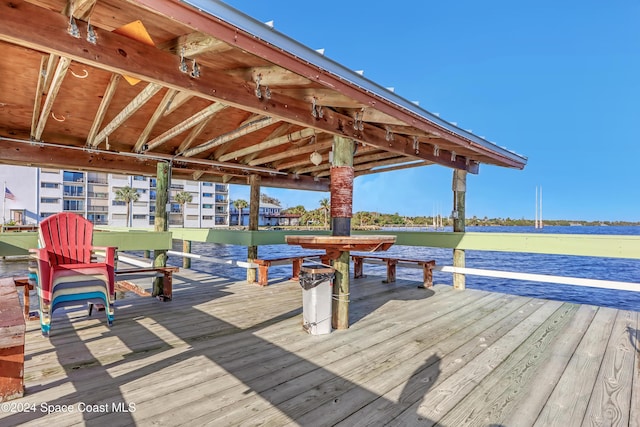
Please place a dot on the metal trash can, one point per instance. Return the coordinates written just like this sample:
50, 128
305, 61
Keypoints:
316, 282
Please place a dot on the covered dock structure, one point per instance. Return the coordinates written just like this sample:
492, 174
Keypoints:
198, 90
194, 89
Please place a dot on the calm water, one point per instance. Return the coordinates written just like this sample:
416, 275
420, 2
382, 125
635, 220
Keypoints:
560, 265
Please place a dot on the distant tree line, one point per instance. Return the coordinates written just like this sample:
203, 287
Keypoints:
320, 216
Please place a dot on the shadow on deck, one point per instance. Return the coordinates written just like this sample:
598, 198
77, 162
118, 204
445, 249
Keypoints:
228, 353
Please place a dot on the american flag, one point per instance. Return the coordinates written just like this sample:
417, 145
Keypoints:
8, 194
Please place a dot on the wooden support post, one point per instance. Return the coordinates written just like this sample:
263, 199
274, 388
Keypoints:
340, 307
147, 254
341, 212
459, 190
254, 211
186, 248
160, 224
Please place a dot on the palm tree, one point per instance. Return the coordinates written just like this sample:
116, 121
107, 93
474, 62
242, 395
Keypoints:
325, 205
127, 195
239, 205
182, 198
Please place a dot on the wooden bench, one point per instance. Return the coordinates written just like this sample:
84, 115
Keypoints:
12, 330
392, 263
123, 275
264, 264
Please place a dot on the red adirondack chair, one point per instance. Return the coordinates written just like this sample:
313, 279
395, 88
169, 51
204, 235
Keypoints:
67, 272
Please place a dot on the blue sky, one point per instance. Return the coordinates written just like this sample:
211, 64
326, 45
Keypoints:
555, 81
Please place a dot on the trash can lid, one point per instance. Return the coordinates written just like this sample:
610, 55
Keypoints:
316, 269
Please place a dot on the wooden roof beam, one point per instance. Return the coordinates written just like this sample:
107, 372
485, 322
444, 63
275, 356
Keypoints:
263, 49
56, 83
142, 98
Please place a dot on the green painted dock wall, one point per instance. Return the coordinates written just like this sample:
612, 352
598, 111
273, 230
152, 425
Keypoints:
613, 246
19, 243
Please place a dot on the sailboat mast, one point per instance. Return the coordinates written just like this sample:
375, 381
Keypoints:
535, 221
541, 207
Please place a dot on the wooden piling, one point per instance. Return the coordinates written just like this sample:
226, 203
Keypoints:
459, 190
186, 248
160, 224
254, 211
341, 212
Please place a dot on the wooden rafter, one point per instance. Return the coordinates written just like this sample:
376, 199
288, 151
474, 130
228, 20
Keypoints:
142, 98
81, 9
195, 132
377, 164
318, 145
109, 92
39, 92
177, 102
230, 136
56, 83
202, 115
379, 155
292, 162
217, 86
50, 71
155, 118
323, 168
393, 168
279, 131
294, 136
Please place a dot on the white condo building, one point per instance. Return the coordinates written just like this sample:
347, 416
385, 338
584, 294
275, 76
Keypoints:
32, 194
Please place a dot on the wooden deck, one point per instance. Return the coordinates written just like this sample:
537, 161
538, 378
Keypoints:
227, 353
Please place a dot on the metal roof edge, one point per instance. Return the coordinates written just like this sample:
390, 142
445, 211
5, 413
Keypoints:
268, 34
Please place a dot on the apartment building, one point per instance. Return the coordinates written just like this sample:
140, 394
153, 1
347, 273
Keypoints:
36, 193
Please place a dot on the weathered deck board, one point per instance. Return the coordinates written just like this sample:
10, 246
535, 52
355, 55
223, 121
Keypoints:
568, 402
228, 353
611, 397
